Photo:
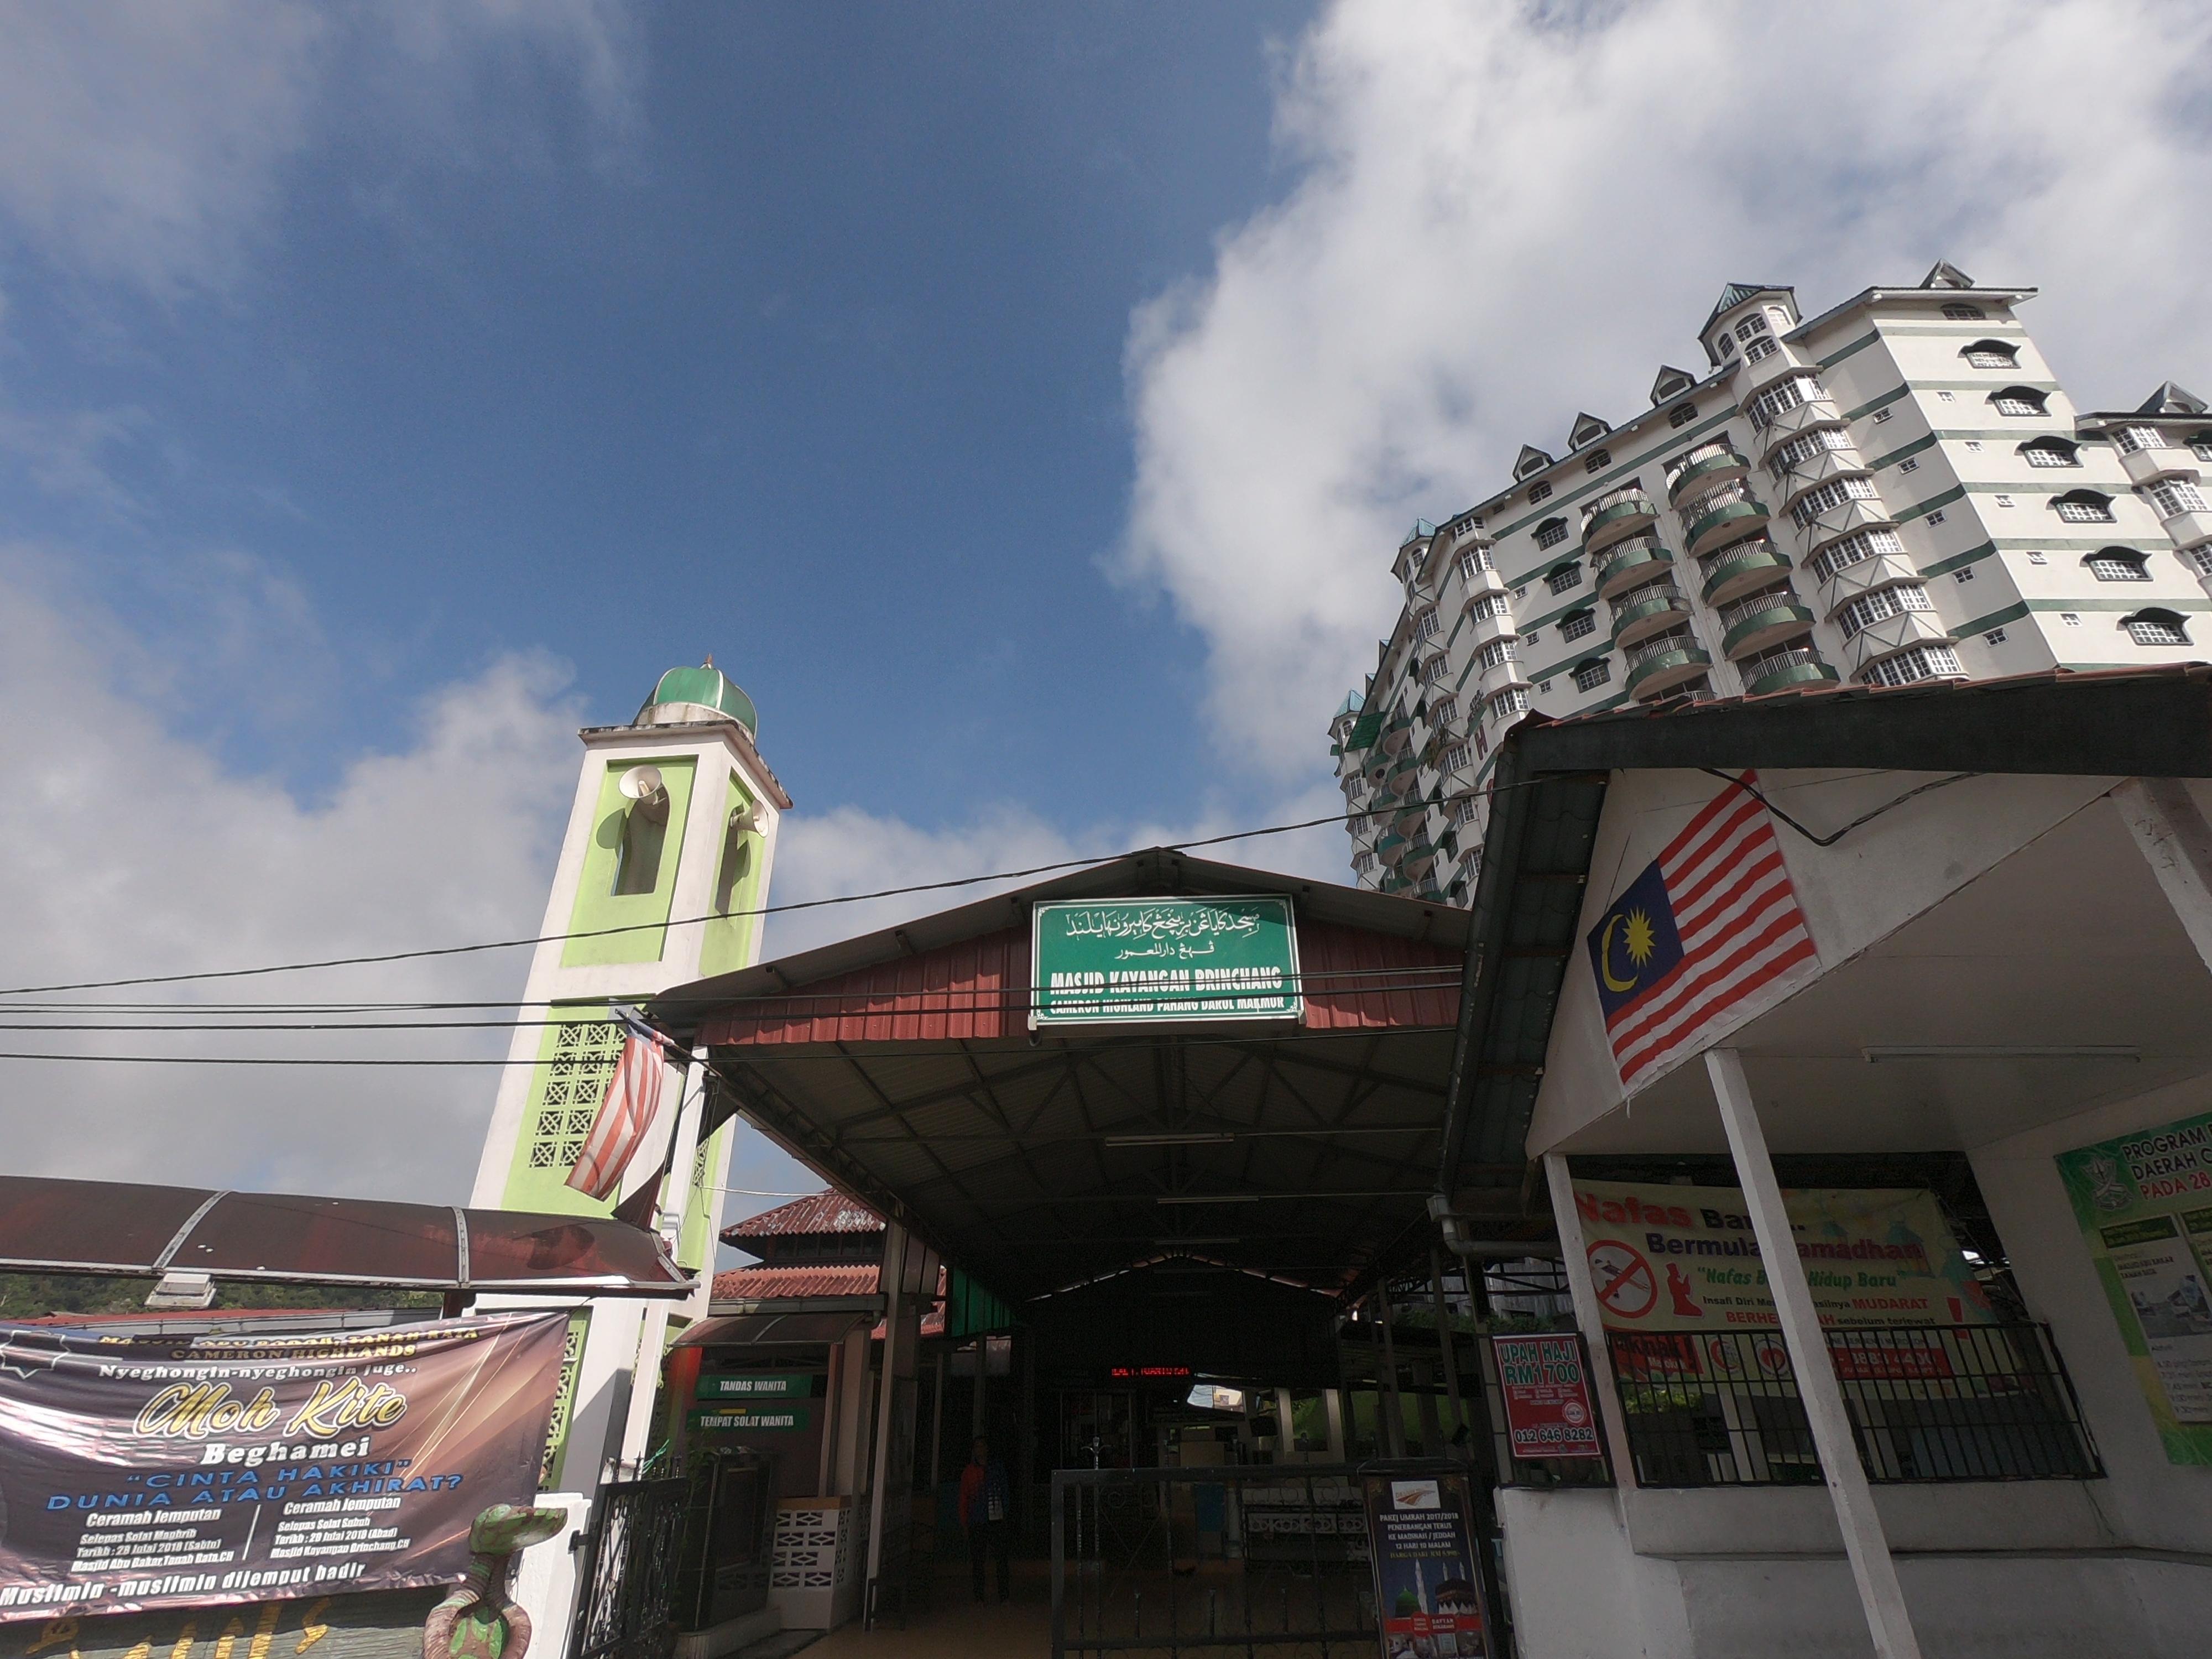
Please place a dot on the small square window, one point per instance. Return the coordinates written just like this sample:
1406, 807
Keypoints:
1965, 573
1936, 517
1995, 636
1945, 397
1974, 443
1543, 685
1881, 415
1539, 492
2037, 558
1910, 464
2069, 618
2004, 500
1532, 637
1521, 592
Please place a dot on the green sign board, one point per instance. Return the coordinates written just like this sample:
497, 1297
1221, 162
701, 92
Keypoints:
753, 1419
2144, 1203
757, 1385
1142, 961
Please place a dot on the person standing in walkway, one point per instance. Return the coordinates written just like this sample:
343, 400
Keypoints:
986, 1497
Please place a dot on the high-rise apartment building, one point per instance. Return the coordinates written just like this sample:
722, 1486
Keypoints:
1897, 489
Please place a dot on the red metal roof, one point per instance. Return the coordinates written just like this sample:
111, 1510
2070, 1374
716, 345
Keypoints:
774, 1284
828, 1212
1354, 978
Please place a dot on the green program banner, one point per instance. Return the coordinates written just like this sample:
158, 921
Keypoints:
1143, 961
2144, 1203
141, 1472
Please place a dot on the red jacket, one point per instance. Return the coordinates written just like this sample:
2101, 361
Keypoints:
980, 1483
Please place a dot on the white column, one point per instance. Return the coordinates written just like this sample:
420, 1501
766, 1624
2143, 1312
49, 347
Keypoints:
2177, 843
1574, 1256
892, 1277
1864, 1541
652, 1334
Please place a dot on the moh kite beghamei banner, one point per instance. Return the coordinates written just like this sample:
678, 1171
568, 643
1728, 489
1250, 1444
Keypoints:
138, 1472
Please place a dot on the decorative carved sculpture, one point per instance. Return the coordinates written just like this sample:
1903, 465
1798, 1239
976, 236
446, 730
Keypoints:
478, 1621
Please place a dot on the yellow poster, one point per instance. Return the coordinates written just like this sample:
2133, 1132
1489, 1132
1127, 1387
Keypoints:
1686, 1259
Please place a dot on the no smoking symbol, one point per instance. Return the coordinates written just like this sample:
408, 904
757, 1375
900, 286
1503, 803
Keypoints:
1626, 1283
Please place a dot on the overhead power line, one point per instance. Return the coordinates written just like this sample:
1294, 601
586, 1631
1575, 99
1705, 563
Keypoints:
382, 957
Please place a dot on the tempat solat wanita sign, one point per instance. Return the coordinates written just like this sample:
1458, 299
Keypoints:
1145, 961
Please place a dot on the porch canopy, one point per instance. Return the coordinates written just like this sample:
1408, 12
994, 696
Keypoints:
2033, 967
902, 1066
128, 1230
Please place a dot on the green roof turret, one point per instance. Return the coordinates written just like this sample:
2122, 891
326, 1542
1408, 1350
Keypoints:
707, 690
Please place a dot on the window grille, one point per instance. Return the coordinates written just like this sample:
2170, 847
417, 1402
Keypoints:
2084, 506
1963, 313
1539, 493
1490, 605
1426, 626
1444, 711
1995, 636
1455, 757
2201, 448
1936, 517
2017, 400
1497, 653
1363, 862
2037, 558
2116, 564
584, 1052
1433, 669
1681, 414
1784, 395
1826, 497
2156, 627
2050, 452
1922, 662
2175, 497
1882, 604
1474, 563
1991, 354
1881, 415
1859, 545
1805, 446
1551, 532
2132, 440
1463, 810
1576, 625
1594, 673
1599, 459
2071, 618
1566, 578
1514, 700
1910, 464
1758, 350
1750, 325
2201, 559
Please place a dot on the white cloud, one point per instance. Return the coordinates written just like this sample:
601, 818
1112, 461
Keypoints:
1504, 215
147, 144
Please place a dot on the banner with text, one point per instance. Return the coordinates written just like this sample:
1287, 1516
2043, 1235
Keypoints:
179, 1471
1152, 959
2144, 1203
1684, 1259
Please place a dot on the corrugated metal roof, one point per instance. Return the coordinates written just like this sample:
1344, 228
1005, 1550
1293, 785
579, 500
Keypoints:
830, 1212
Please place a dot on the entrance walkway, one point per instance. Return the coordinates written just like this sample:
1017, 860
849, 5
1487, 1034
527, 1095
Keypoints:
957, 1627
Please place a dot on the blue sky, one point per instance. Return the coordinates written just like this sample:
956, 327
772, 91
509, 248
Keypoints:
1023, 403
815, 363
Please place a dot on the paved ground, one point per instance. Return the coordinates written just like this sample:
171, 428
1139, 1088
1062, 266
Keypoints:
956, 1626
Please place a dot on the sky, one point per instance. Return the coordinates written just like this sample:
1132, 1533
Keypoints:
1023, 403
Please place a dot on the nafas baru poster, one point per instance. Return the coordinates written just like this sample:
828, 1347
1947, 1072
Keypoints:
140, 1472
2144, 1204
1684, 1259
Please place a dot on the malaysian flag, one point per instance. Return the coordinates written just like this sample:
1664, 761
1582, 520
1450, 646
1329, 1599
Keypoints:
626, 1113
1710, 930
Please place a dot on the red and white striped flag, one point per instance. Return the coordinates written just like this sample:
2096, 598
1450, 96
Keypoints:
626, 1113
1710, 932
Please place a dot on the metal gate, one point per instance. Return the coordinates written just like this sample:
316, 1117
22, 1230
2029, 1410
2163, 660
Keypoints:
623, 1607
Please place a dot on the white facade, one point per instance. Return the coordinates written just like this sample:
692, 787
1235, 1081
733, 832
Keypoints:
1897, 489
2004, 971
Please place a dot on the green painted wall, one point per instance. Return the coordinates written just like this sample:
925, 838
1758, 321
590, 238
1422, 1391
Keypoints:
732, 939
695, 1247
598, 905
574, 1060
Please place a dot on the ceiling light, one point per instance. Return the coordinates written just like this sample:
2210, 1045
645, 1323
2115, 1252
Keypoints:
2126, 1052
1207, 1197
1164, 1140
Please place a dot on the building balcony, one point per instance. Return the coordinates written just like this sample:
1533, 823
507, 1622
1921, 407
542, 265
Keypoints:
1643, 611
2146, 466
1482, 583
1610, 523
1838, 522
2189, 529
1722, 523
1738, 569
1496, 679
1892, 634
1632, 563
1778, 670
1761, 621
1397, 732
1712, 470
1883, 570
1815, 470
1660, 665
1820, 411
1391, 849
1481, 630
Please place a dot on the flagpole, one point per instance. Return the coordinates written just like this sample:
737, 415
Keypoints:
652, 1333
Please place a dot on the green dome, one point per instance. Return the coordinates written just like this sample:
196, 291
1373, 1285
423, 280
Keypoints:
709, 688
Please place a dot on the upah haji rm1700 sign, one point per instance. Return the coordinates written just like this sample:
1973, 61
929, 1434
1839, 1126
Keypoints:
1140, 961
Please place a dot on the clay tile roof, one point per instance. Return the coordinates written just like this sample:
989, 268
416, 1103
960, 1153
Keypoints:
768, 1283
824, 1212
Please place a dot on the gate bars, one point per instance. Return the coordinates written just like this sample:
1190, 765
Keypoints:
623, 1609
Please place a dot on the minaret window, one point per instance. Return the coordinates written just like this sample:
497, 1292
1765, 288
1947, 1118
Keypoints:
1991, 354
644, 833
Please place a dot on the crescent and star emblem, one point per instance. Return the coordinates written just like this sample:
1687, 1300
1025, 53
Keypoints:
1639, 943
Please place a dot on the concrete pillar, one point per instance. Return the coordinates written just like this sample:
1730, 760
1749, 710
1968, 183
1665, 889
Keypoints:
937, 1424
1864, 1541
1389, 1409
2177, 843
1446, 1341
1286, 1433
1338, 1446
899, 1325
